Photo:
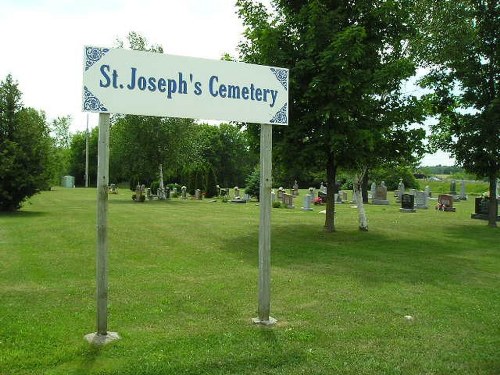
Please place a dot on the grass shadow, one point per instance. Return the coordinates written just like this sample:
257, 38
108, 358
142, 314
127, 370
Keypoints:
372, 257
88, 355
22, 214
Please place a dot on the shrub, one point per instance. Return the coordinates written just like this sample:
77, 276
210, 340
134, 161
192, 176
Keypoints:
252, 184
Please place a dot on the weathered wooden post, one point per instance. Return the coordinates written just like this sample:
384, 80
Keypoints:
102, 336
264, 309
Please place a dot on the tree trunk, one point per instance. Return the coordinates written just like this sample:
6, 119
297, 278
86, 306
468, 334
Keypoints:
492, 212
358, 199
364, 187
330, 194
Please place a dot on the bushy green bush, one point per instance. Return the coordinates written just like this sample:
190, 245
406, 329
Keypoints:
154, 187
252, 184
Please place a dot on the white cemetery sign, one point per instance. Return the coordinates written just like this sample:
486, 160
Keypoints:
152, 84
146, 83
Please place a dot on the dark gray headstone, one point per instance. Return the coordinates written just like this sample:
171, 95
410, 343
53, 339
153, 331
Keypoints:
407, 203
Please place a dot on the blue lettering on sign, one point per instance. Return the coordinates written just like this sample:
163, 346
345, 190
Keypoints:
237, 92
178, 85
105, 69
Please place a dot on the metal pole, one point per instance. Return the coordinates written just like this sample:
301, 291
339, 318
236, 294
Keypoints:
265, 226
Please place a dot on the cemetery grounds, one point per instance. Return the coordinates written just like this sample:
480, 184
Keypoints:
417, 294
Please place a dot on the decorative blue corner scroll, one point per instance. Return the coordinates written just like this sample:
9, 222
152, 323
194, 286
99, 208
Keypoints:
282, 76
91, 102
281, 116
93, 55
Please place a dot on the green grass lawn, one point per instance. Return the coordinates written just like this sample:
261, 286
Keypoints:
183, 289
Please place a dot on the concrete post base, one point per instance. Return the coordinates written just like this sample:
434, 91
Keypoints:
99, 340
269, 322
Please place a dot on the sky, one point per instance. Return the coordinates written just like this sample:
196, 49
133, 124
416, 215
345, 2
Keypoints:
43, 43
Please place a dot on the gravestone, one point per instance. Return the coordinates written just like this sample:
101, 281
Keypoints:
453, 188
481, 208
343, 195
273, 196
322, 188
113, 189
338, 198
463, 195
197, 195
295, 191
421, 200
139, 196
307, 202
236, 192
445, 203
401, 190
380, 197
281, 191
149, 194
311, 191
413, 192
167, 193
407, 203
288, 200
183, 192
373, 187
160, 193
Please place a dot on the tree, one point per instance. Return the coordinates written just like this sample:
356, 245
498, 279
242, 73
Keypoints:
61, 141
76, 158
347, 60
139, 144
458, 44
221, 157
25, 148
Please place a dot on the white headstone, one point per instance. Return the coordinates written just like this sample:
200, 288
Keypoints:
307, 202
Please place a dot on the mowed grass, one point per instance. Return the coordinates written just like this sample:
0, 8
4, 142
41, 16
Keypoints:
183, 289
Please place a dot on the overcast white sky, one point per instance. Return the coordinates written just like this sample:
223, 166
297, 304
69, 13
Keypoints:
42, 43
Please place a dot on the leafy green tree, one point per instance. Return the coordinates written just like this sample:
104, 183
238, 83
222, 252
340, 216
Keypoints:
347, 62
25, 148
252, 184
76, 162
61, 141
221, 157
139, 144
458, 44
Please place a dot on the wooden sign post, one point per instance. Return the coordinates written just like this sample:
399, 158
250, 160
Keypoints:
266, 138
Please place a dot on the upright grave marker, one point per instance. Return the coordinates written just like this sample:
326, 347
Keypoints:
152, 84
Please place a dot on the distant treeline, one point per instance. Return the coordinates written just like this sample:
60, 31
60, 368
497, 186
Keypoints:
442, 169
